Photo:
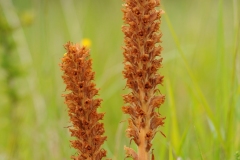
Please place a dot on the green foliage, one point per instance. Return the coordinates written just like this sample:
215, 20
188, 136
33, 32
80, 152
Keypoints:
237, 155
9, 93
201, 69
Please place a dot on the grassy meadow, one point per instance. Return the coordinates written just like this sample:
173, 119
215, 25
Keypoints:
201, 66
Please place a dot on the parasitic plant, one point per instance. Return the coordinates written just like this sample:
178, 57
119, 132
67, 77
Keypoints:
82, 106
142, 59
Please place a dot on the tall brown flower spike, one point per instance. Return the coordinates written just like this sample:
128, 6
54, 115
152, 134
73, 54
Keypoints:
82, 106
142, 59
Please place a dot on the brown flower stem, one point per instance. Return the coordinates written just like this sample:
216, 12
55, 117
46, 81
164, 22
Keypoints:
142, 153
82, 106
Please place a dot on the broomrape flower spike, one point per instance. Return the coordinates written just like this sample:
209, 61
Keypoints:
142, 59
82, 106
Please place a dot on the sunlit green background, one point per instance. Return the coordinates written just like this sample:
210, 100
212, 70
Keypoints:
201, 66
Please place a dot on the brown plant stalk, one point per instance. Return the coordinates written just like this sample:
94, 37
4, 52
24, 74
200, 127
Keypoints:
82, 106
142, 59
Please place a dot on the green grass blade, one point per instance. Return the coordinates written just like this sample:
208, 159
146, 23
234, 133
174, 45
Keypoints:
175, 137
170, 153
184, 136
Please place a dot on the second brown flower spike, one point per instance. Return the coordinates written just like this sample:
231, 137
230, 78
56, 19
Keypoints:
142, 59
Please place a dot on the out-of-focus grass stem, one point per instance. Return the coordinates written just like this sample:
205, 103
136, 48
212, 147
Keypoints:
24, 56
175, 136
71, 19
190, 72
234, 83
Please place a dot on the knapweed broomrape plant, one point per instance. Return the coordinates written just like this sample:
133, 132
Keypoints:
82, 106
142, 59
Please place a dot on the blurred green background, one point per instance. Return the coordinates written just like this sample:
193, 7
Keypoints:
201, 68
